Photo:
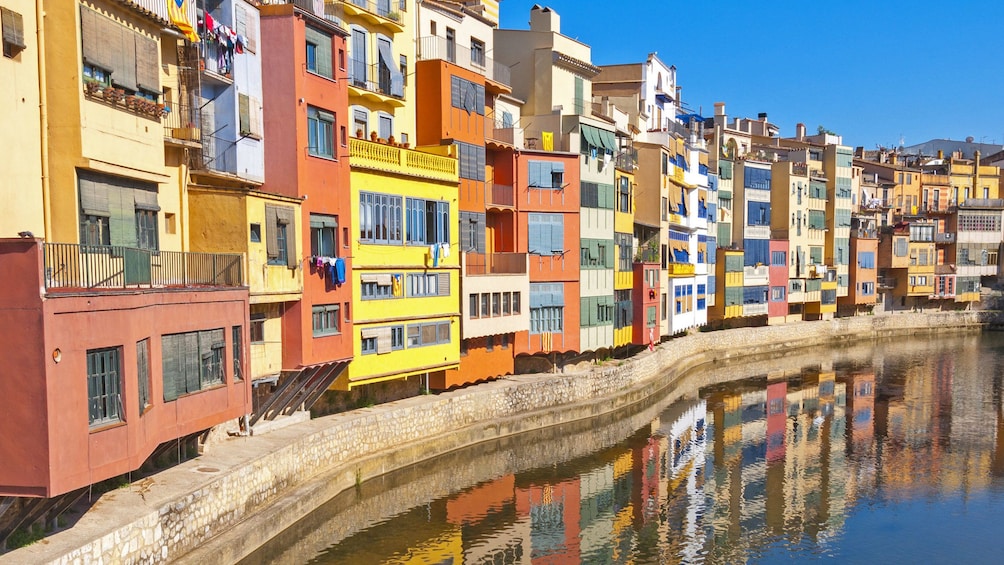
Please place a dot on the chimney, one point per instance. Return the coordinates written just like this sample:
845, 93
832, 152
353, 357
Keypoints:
544, 19
799, 131
762, 116
941, 154
719, 108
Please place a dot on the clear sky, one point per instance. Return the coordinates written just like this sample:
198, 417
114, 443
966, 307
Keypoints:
874, 72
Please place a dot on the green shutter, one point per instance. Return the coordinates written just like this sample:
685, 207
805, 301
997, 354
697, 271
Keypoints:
244, 104
170, 365
122, 219
191, 363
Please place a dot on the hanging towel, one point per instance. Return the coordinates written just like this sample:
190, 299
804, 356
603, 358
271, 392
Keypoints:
339, 271
446, 250
435, 255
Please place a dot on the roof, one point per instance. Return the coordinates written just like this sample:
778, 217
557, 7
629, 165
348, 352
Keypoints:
949, 146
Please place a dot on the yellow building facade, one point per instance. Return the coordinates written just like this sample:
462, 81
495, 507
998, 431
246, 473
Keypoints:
623, 234
406, 264
21, 185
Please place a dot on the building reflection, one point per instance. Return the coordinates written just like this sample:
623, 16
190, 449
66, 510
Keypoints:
721, 478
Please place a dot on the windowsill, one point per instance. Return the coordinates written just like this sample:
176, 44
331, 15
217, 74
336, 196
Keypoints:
208, 388
324, 157
327, 334
106, 426
257, 343
320, 76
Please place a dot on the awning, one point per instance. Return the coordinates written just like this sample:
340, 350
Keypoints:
591, 137
608, 140
396, 78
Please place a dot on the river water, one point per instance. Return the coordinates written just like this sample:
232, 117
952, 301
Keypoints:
883, 453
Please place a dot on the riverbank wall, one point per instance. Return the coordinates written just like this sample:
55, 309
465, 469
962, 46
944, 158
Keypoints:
225, 504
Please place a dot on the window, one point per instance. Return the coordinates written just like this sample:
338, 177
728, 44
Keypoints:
545, 174
319, 52
506, 303
515, 303
778, 259
777, 293
547, 301
451, 45
496, 304
486, 305
320, 133
143, 374
385, 126
146, 229
435, 333
545, 234
624, 194
472, 231
625, 244
13, 33
758, 213
237, 341
379, 218
478, 52
817, 220
471, 161
868, 288
257, 327
192, 362
323, 236
623, 310
280, 235
128, 60
597, 253
255, 234
127, 201
104, 386
428, 284
327, 320
595, 195
382, 340
467, 95
428, 221
376, 287
473, 305
249, 116
756, 178
360, 121
866, 259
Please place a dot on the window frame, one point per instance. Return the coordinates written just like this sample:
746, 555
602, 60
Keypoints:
325, 313
321, 127
104, 406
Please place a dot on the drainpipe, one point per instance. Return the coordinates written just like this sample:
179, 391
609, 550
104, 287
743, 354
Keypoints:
43, 121
976, 175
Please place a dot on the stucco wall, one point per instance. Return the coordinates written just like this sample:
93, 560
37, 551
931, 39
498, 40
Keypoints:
180, 511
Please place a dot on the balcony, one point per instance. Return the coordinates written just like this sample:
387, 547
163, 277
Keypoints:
755, 309
377, 80
406, 162
498, 131
680, 269
501, 195
217, 155
992, 203
800, 169
118, 98
375, 12
182, 124
433, 47
944, 238
865, 233
626, 160
495, 263
82, 268
216, 63
756, 276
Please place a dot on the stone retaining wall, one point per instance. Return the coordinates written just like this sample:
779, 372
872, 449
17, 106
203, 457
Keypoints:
194, 512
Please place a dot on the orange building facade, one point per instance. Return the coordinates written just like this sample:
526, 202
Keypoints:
307, 158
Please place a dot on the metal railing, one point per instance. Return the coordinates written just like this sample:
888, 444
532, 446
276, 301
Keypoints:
944, 238
494, 263
383, 8
217, 154
216, 59
626, 159
183, 123
433, 47
375, 78
72, 268
502, 195
496, 131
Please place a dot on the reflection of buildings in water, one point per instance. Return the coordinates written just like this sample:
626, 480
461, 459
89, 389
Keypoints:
683, 436
552, 511
859, 440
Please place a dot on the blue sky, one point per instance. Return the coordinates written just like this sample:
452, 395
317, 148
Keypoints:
874, 72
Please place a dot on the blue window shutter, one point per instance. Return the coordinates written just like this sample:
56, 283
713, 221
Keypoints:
533, 173
557, 232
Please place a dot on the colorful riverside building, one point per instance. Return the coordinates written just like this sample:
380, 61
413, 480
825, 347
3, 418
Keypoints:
307, 161
129, 341
458, 88
560, 76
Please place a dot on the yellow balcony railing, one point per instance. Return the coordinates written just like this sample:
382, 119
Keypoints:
680, 269
408, 162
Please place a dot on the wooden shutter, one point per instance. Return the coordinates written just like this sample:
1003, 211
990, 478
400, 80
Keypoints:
271, 223
444, 284
124, 71
251, 36
147, 63
170, 365
244, 111
93, 196
13, 29
456, 94
256, 117
481, 239
557, 233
